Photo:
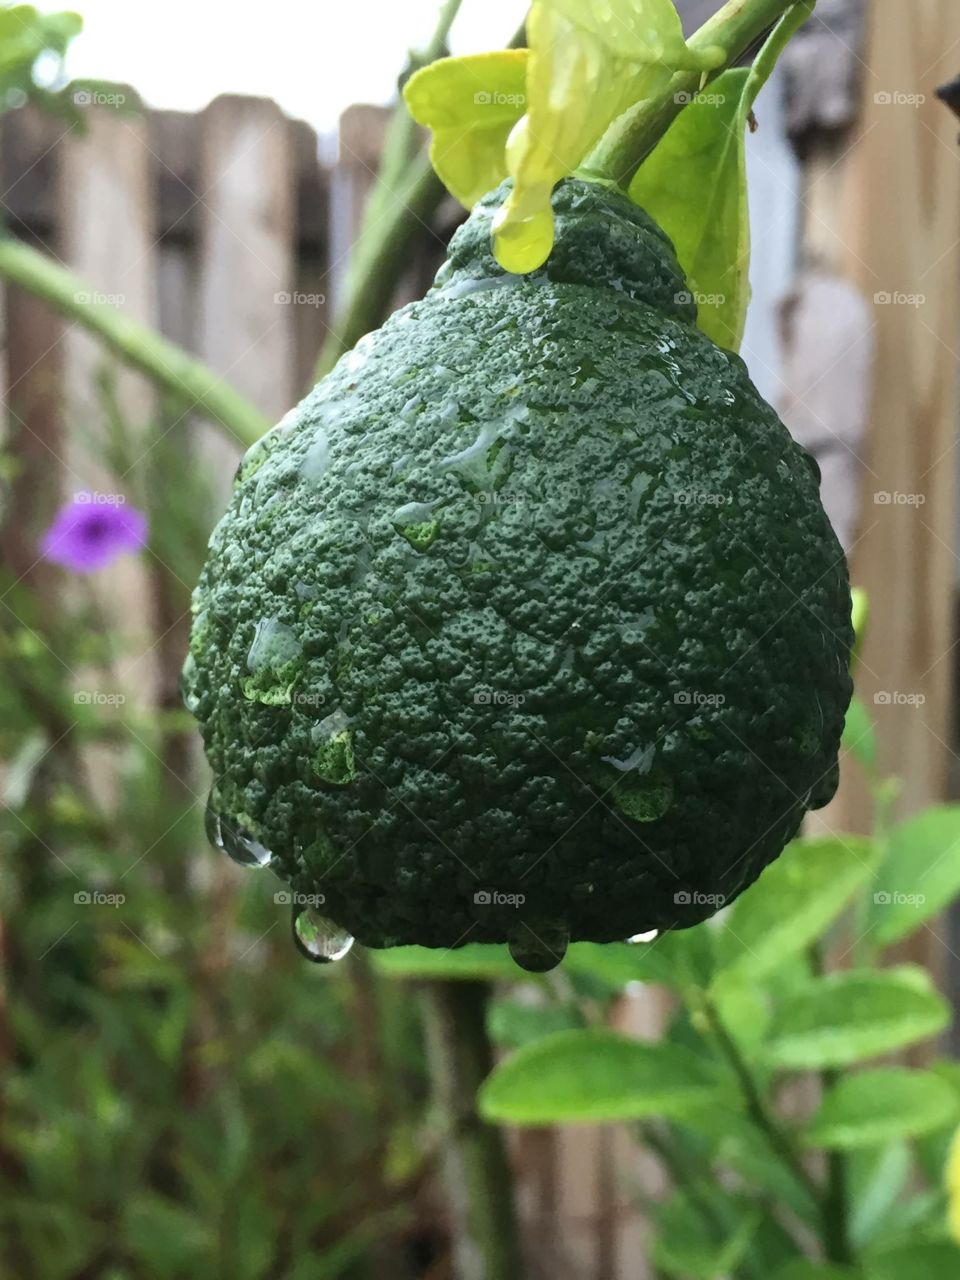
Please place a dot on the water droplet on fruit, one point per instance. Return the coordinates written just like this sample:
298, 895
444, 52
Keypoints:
538, 948
417, 523
317, 459
334, 759
273, 660
317, 938
645, 937
644, 800
188, 675
237, 843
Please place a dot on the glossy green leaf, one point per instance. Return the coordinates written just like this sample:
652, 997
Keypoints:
470, 104
695, 185
878, 1106
919, 874
588, 63
876, 1181
794, 901
804, 1269
583, 1077
474, 962
680, 959
853, 1015
859, 735
513, 1024
690, 1247
919, 1260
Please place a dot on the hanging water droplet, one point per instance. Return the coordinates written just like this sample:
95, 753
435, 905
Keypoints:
236, 842
645, 937
539, 947
317, 938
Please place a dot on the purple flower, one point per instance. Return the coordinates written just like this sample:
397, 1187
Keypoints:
91, 531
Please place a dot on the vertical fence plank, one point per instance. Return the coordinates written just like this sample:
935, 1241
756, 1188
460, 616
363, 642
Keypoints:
247, 270
109, 241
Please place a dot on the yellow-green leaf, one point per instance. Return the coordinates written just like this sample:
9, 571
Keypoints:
470, 104
588, 63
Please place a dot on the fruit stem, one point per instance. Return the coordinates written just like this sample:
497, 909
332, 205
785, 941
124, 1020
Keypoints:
629, 141
479, 1181
167, 365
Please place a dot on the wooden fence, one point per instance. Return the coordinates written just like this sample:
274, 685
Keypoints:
225, 231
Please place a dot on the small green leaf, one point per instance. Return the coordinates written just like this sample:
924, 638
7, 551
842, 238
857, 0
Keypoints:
513, 1024
859, 736
919, 874
878, 1106
476, 961
470, 104
585, 1077
686, 1246
876, 1179
803, 1269
849, 1016
695, 185
680, 958
792, 903
920, 1260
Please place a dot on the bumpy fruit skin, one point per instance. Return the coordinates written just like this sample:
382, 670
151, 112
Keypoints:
533, 595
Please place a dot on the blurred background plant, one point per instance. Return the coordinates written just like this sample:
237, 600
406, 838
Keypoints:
183, 1095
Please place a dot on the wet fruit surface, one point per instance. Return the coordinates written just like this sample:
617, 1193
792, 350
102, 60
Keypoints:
528, 623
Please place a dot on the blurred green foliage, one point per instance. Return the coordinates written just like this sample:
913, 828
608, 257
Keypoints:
180, 1093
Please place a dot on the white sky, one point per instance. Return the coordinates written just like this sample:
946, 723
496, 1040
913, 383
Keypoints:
313, 58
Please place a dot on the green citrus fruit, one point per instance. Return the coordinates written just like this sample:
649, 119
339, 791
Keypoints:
528, 623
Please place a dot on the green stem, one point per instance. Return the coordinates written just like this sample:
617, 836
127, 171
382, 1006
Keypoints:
625, 146
166, 364
758, 1110
479, 1182
404, 198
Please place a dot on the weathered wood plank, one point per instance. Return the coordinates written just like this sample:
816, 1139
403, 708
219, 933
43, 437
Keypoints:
247, 267
109, 240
